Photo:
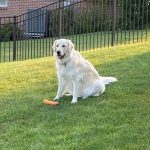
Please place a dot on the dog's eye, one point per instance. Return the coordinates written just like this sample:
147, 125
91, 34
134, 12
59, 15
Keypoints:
63, 46
57, 45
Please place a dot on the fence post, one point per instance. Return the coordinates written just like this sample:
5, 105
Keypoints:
60, 19
0, 39
14, 38
113, 22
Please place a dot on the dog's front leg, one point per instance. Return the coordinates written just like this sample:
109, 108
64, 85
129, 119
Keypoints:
61, 86
75, 92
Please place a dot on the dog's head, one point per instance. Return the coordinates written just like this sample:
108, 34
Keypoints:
62, 48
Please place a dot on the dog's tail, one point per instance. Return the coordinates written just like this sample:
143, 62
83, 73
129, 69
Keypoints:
108, 80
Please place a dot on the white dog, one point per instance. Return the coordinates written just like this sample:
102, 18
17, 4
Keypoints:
76, 75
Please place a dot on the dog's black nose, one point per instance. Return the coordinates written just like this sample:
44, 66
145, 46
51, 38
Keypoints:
58, 52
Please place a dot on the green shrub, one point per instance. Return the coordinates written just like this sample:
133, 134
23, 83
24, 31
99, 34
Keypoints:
97, 18
6, 32
78, 22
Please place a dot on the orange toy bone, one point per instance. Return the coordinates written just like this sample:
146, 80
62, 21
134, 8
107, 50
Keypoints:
48, 102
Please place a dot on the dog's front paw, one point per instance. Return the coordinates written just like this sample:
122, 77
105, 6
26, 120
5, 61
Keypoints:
56, 98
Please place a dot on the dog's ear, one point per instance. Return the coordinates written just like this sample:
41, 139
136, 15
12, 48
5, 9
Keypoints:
70, 45
54, 45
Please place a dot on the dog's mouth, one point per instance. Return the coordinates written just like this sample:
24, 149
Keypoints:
60, 56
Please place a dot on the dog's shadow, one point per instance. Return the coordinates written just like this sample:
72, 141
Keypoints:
67, 99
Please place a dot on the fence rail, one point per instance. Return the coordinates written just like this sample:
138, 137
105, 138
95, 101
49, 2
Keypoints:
89, 23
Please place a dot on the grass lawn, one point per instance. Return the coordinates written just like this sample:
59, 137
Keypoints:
119, 119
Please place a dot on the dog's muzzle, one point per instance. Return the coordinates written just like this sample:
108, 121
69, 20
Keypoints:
60, 56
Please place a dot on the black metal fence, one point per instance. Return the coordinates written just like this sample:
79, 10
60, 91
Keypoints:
89, 24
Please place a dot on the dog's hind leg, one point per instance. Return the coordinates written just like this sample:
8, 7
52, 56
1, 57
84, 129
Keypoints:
100, 88
95, 90
98, 93
76, 91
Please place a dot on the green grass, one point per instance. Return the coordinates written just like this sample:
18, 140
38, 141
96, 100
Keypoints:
35, 48
119, 119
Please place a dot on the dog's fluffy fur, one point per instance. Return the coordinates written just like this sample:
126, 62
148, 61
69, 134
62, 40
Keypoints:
76, 75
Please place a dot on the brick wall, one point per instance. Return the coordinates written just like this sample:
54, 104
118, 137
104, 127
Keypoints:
17, 7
